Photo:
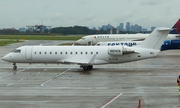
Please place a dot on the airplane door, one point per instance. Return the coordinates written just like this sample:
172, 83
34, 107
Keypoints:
89, 43
29, 52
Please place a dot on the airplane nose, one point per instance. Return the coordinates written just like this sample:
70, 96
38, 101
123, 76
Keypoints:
77, 42
3, 58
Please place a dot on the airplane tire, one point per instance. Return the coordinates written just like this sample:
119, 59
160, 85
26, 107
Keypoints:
85, 68
14, 67
90, 67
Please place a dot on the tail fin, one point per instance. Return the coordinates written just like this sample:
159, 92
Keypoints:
176, 28
156, 38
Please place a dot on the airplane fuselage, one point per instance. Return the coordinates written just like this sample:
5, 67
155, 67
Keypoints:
94, 39
76, 54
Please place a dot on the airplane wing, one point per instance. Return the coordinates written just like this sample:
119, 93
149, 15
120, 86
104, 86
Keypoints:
79, 61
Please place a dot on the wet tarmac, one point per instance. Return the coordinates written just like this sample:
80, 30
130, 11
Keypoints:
106, 86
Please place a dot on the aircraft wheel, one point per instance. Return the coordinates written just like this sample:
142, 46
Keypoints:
85, 68
14, 67
90, 67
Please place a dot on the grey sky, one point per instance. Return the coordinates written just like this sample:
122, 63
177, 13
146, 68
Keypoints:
92, 13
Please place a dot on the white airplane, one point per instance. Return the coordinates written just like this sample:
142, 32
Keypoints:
94, 39
87, 56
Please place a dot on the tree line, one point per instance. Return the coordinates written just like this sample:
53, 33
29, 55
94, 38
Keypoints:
76, 30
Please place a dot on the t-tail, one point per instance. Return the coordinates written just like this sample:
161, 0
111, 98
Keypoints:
176, 28
156, 38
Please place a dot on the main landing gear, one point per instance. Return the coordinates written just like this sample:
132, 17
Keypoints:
85, 68
14, 67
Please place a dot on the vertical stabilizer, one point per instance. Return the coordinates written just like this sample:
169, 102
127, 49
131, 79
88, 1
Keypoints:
176, 28
156, 38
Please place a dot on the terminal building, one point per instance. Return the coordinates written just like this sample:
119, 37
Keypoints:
9, 30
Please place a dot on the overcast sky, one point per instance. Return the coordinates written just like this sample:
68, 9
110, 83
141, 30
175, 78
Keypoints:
91, 13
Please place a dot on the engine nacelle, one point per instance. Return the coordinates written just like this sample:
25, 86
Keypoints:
119, 51
115, 51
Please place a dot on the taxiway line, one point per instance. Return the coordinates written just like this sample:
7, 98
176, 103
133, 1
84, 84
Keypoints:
43, 84
111, 100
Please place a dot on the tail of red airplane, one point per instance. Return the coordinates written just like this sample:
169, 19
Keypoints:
176, 28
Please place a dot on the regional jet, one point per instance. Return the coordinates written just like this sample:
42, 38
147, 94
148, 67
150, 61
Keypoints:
87, 56
94, 39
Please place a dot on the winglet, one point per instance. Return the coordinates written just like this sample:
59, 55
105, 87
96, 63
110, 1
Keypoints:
156, 38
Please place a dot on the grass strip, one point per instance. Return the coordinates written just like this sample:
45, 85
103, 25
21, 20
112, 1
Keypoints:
4, 42
41, 37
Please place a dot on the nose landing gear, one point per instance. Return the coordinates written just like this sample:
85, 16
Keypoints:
14, 67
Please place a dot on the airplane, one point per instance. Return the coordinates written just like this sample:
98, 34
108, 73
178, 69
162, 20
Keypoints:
87, 56
167, 44
94, 39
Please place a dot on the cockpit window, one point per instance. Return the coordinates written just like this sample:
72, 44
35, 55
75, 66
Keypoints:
16, 51
83, 38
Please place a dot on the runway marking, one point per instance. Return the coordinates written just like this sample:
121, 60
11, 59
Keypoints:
12, 73
24, 78
18, 71
43, 84
111, 100
9, 84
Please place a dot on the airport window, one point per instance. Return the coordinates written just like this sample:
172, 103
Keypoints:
39, 52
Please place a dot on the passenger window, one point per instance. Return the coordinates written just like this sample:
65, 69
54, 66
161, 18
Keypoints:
91, 52
50, 52
76, 52
96, 52
44, 52
66, 52
39, 52
71, 52
34, 52
61, 52
81, 52
55, 52
86, 52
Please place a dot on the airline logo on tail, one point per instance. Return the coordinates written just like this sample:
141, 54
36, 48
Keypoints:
176, 28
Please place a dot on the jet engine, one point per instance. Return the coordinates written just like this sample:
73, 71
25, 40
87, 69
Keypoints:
119, 51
